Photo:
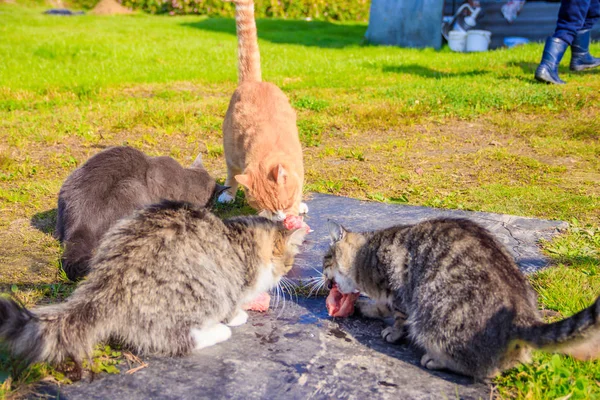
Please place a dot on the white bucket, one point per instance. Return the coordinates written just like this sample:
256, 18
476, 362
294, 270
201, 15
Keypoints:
457, 40
478, 40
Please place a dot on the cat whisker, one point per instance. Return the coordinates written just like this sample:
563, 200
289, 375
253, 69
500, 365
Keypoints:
312, 287
316, 287
283, 296
276, 290
317, 282
289, 286
314, 279
321, 285
293, 287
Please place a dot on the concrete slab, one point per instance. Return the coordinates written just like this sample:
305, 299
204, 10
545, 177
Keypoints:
519, 234
295, 351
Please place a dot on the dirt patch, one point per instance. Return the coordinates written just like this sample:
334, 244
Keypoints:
110, 7
28, 255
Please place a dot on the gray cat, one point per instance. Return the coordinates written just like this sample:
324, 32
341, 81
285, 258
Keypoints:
162, 281
111, 185
457, 293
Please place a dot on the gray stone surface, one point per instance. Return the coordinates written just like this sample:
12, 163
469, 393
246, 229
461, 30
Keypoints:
295, 351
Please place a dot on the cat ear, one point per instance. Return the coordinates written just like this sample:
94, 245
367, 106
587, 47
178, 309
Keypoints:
296, 237
336, 231
279, 174
244, 180
198, 162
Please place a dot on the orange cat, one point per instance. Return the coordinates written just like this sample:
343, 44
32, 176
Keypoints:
260, 137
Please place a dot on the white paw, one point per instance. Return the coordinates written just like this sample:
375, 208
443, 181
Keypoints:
391, 334
210, 336
239, 319
225, 197
303, 208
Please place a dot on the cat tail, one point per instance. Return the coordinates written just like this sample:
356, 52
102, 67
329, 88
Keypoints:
578, 335
248, 54
78, 252
50, 333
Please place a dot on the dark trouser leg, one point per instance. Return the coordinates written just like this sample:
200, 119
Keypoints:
593, 15
571, 19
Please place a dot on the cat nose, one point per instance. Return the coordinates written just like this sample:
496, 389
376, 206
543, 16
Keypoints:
329, 284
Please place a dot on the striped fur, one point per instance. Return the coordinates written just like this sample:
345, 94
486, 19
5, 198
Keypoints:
457, 293
248, 53
158, 280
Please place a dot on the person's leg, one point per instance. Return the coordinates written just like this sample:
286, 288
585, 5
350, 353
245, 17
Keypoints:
547, 71
593, 15
571, 17
580, 48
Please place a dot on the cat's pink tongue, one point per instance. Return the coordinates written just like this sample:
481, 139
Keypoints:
260, 303
339, 304
295, 222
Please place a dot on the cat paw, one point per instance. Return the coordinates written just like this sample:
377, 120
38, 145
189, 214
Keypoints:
392, 335
303, 208
429, 362
225, 197
210, 336
238, 319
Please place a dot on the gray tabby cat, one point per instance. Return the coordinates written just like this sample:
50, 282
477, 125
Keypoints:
457, 293
168, 280
111, 185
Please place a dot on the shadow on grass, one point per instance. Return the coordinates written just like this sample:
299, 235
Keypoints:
426, 72
305, 33
526, 67
45, 221
581, 261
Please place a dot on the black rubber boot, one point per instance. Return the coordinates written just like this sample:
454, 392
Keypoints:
554, 51
580, 52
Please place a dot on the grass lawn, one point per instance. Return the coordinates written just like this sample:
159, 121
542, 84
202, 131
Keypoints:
468, 131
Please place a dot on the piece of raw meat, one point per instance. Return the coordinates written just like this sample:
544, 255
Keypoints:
260, 303
339, 304
295, 222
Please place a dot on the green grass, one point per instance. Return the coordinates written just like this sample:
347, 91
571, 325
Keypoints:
467, 131
566, 289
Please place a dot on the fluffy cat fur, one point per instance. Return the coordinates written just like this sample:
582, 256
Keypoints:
457, 293
260, 136
167, 280
111, 185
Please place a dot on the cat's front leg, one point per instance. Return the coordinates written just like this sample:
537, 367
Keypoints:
373, 309
238, 317
397, 331
209, 335
228, 196
303, 208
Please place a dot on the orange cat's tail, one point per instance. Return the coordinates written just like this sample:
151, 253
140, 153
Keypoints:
248, 54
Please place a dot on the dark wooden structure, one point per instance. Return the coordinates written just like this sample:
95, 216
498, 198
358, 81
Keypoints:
536, 21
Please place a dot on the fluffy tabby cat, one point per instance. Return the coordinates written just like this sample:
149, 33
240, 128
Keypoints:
168, 280
111, 185
260, 136
457, 293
